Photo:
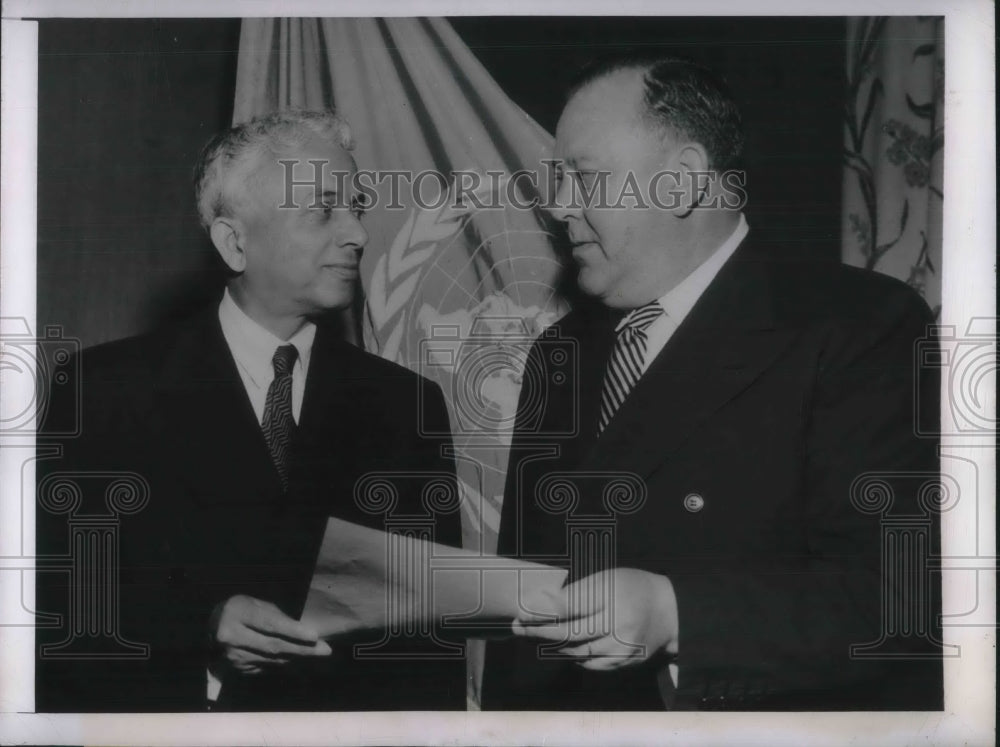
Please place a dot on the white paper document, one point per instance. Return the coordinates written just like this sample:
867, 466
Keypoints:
366, 579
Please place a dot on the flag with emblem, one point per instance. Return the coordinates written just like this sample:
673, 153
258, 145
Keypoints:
457, 288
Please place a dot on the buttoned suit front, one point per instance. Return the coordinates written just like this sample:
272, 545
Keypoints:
788, 381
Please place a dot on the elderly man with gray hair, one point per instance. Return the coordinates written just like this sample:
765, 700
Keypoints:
251, 422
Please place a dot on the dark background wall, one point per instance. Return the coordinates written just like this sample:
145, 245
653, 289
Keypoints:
125, 105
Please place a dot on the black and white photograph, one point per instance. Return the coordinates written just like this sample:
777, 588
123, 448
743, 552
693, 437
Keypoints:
412, 373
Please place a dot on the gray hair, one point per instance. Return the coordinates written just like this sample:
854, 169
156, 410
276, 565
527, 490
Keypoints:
230, 158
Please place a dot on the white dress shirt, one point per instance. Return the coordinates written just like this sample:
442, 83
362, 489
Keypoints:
678, 302
253, 348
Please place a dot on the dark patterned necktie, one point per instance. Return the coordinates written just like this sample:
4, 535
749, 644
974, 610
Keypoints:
278, 424
625, 366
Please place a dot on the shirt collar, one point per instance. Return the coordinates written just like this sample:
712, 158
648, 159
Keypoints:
253, 346
679, 300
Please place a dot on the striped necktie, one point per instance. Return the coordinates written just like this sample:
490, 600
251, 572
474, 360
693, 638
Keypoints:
625, 366
278, 423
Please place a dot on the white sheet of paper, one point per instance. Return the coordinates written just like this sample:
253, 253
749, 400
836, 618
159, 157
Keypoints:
366, 579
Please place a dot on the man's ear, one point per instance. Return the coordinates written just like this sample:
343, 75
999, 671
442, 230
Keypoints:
691, 160
228, 237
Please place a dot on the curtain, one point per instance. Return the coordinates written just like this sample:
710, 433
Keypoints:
892, 213
455, 294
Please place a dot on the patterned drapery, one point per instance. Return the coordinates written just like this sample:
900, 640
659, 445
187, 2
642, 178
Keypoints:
894, 149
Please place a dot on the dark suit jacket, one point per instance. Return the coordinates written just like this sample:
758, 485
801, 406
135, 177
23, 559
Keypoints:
171, 408
786, 382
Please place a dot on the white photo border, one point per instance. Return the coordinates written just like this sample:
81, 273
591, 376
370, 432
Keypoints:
969, 291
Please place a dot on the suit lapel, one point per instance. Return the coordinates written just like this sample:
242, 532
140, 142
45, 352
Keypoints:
209, 421
727, 341
593, 337
322, 433
338, 397
323, 391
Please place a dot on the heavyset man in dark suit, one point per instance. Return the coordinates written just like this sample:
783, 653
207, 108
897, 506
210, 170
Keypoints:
747, 393
251, 423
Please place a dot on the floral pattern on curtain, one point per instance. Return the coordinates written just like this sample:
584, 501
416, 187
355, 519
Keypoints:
894, 147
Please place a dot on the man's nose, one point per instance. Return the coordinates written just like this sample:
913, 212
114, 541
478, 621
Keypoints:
564, 204
353, 234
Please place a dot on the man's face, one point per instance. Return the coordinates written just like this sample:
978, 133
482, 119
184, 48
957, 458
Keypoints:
622, 252
302, 246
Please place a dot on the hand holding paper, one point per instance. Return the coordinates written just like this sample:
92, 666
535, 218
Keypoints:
255, 634
608, 620
366, 579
